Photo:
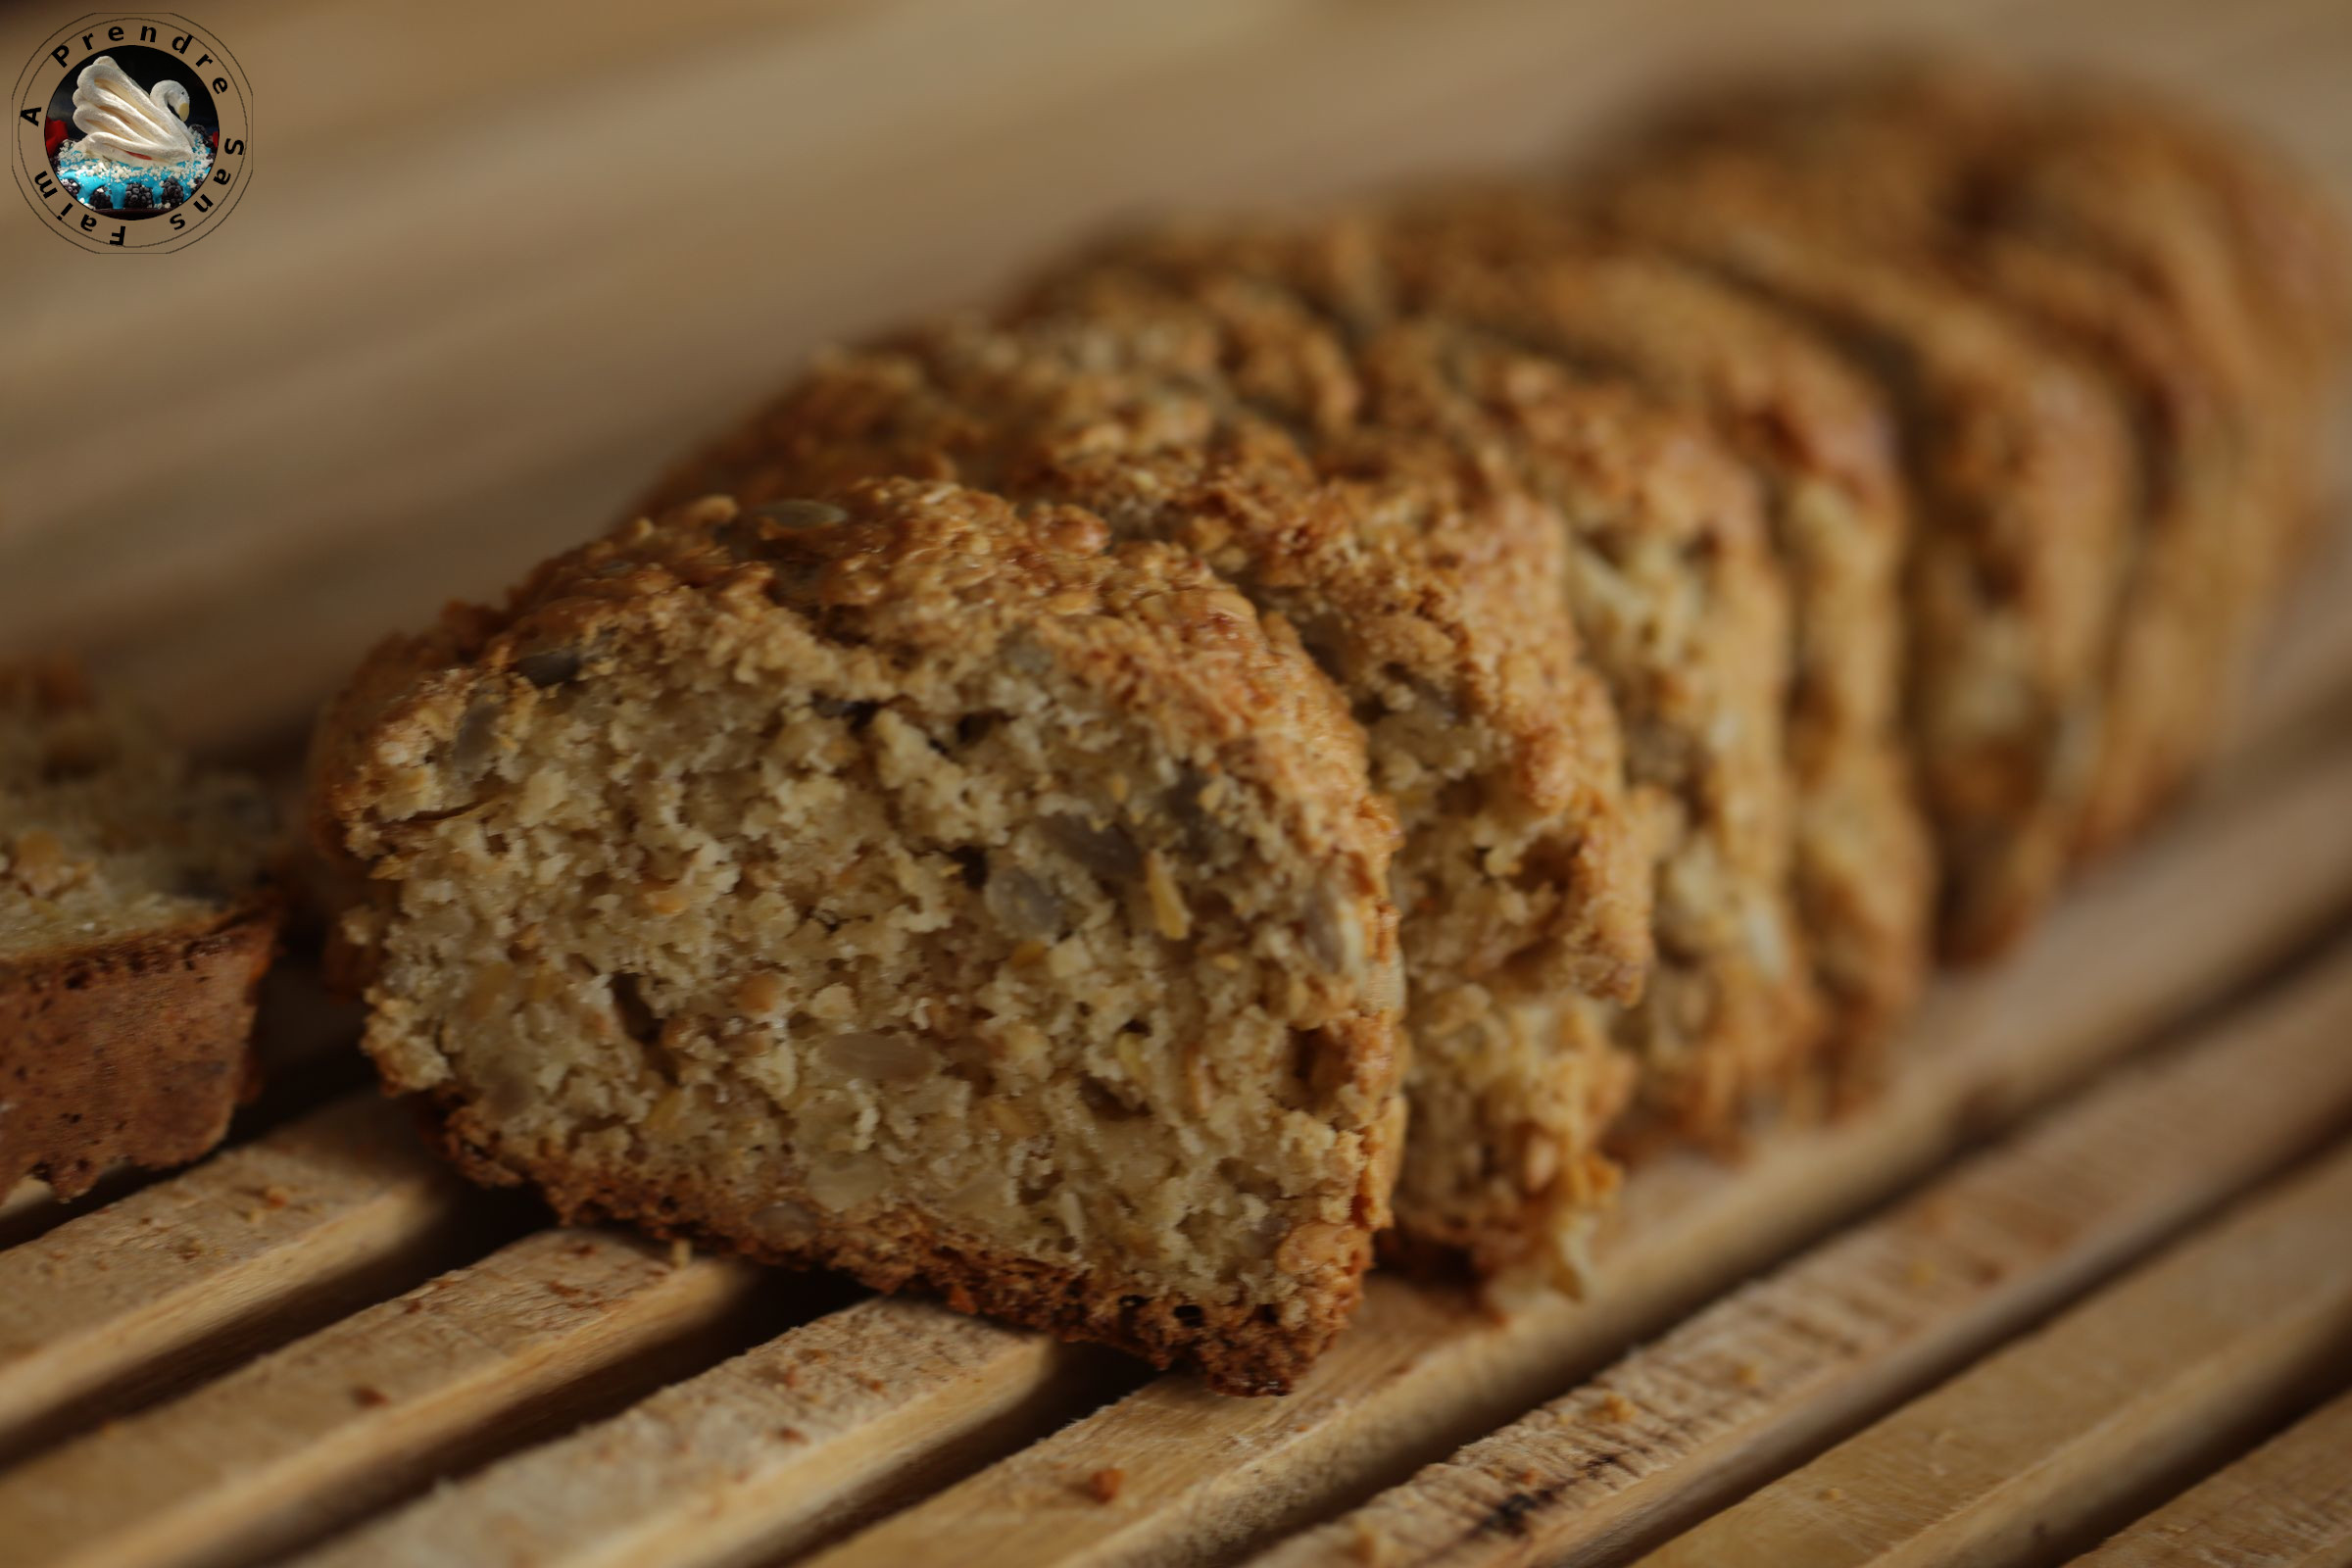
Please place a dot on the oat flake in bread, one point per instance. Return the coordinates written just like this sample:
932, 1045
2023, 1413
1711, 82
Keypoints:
902, 883
135, 923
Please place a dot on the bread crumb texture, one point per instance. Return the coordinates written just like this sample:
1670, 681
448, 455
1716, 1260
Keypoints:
1425, 579
906, 882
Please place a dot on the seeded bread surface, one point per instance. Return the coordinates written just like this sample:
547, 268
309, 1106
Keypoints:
906, 884
136, 924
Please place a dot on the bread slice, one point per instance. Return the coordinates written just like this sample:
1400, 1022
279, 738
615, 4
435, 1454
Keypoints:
1821, 445
2022, 478
135, 923
1488, 277
1427, 587
902, 883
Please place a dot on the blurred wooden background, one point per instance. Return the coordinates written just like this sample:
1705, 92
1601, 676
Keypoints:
500, 261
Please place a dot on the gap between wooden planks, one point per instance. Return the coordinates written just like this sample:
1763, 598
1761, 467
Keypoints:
2288, 1504
2143, 1380
322, 1214
1739, 1392
1420, 1369
306, 1437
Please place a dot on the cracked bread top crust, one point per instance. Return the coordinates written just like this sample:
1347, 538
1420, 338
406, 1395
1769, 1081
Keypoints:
1404, 566
748, 850
1676, 602
2022, 480
135, 921
1511, 265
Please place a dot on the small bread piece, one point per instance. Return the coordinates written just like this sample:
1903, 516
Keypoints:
136, 924
906, 884
1509, 266
1405, 568
2022, 472
2071, 215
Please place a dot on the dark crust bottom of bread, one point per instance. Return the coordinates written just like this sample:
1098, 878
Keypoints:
132, 1054
1237, 1350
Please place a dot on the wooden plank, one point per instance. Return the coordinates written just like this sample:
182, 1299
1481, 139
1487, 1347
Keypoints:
1772, 1372
2030, 1446
306, 1437
758, 1457
188, 1272
2288, 1504
1419, 1372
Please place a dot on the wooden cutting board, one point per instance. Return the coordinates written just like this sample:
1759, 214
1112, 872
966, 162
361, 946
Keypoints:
2084, 1277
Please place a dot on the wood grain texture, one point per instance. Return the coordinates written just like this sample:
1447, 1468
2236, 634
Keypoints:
1770, 1371
315, 1433
2222, 1330
2288, 1504
1420, 1372
175, 1276
750, 1460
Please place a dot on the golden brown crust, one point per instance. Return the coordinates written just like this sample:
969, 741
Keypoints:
134, 1054
911, 577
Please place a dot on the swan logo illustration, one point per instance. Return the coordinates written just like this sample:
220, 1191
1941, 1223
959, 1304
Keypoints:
133, 133
122, 121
